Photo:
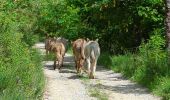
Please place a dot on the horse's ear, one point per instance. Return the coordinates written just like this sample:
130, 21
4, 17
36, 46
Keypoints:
71, 42
87, 39
97, 40
59, 38
54, 37
67, 40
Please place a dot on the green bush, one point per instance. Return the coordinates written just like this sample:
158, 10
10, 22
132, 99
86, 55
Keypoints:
152, 61
119, 24
105, 60
21, 74
163, 87
148, 67
124, 64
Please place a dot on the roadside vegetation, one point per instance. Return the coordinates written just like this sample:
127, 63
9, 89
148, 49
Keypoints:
131, 35
94, 91
149, 66
21, 74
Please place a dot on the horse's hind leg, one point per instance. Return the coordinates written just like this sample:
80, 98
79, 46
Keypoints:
47, 52
88, 65
78, 66
60, 63
93, 69
76, 63
54, 64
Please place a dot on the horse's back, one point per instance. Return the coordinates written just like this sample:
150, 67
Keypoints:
57, 47
78, 45
64, 41
92, 49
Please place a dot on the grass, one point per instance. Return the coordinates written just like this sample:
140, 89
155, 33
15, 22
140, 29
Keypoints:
149, 71
95, 92
49, 57
23, 81
85, 79
105, 59
149, 66
70, 51
163, 88
21, 73
98, 93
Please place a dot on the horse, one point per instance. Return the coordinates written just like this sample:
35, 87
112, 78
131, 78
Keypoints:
91, 53
58, 48
78, 51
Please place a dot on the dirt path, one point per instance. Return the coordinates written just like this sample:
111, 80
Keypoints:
67, 85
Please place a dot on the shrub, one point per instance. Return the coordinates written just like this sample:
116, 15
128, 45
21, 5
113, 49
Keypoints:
148, 67
152, 61
105, 60
124, 64
21, 74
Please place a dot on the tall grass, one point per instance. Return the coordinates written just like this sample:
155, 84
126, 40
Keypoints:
148, 67
21, 74
105, 59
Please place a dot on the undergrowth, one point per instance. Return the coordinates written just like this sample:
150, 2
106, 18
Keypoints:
148, 67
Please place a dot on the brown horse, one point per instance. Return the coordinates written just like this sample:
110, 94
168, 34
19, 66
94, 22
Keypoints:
64, 41
58, 48
48, 44
78, 51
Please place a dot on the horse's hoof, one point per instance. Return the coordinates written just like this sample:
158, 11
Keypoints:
91, 76
54, 67
78, 72
59, 70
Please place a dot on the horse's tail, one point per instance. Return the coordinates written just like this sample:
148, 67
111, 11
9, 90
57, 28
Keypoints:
63, 49
82, 49
95, 51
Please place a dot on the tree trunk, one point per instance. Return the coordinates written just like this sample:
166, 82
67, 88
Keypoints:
167, 3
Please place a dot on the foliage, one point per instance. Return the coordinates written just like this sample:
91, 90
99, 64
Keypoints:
58, 19
20, 69
95, 92
163, 87
152, 59
124, 64
119, 24
105, 60
148, 67
21, 74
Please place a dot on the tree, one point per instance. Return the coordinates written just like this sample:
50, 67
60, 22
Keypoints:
120, 25
167, 3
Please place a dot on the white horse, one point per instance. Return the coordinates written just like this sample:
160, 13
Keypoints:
92, 52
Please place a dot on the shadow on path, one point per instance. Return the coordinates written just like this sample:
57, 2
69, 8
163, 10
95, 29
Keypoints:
105, 78
123, 89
